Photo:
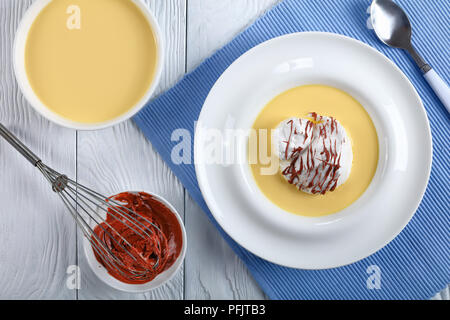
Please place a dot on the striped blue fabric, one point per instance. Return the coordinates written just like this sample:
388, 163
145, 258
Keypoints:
416, 265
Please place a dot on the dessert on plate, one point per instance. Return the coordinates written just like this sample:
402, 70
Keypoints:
323, 150
315, 153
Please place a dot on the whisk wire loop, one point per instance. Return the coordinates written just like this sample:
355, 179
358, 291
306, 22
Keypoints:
81, 200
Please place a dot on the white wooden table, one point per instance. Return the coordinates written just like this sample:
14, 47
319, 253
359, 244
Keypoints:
39, 239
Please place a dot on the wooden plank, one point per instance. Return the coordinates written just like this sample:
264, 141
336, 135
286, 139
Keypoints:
121, 159
443, 295
213, 271
36, 232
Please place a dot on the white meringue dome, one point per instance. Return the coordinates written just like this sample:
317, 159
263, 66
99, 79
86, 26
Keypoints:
315, 153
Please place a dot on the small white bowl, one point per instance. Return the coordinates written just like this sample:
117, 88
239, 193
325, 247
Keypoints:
36, 103
160, 279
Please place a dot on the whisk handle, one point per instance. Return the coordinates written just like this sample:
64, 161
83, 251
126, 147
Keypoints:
16, 143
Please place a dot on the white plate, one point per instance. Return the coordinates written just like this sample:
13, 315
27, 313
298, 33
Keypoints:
404, 166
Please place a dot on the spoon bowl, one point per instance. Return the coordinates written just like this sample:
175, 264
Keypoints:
391, 24
393, 28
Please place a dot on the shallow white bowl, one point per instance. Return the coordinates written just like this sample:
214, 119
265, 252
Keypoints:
160, 279
35, 102
405, 155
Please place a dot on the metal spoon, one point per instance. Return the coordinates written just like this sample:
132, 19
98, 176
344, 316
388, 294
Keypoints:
392, 26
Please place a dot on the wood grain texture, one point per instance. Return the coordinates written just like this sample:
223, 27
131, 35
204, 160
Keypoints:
36, 232
214, 23
213, 270
121, 159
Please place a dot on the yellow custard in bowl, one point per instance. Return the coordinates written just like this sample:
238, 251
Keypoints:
92, 62
329, 101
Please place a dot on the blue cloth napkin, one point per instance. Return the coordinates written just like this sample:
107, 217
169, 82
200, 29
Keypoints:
416, 265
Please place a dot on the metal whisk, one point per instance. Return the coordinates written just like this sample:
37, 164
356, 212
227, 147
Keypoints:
84, 203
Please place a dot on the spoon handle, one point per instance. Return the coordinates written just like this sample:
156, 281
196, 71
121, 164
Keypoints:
434, 80
440, 87
423, 66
